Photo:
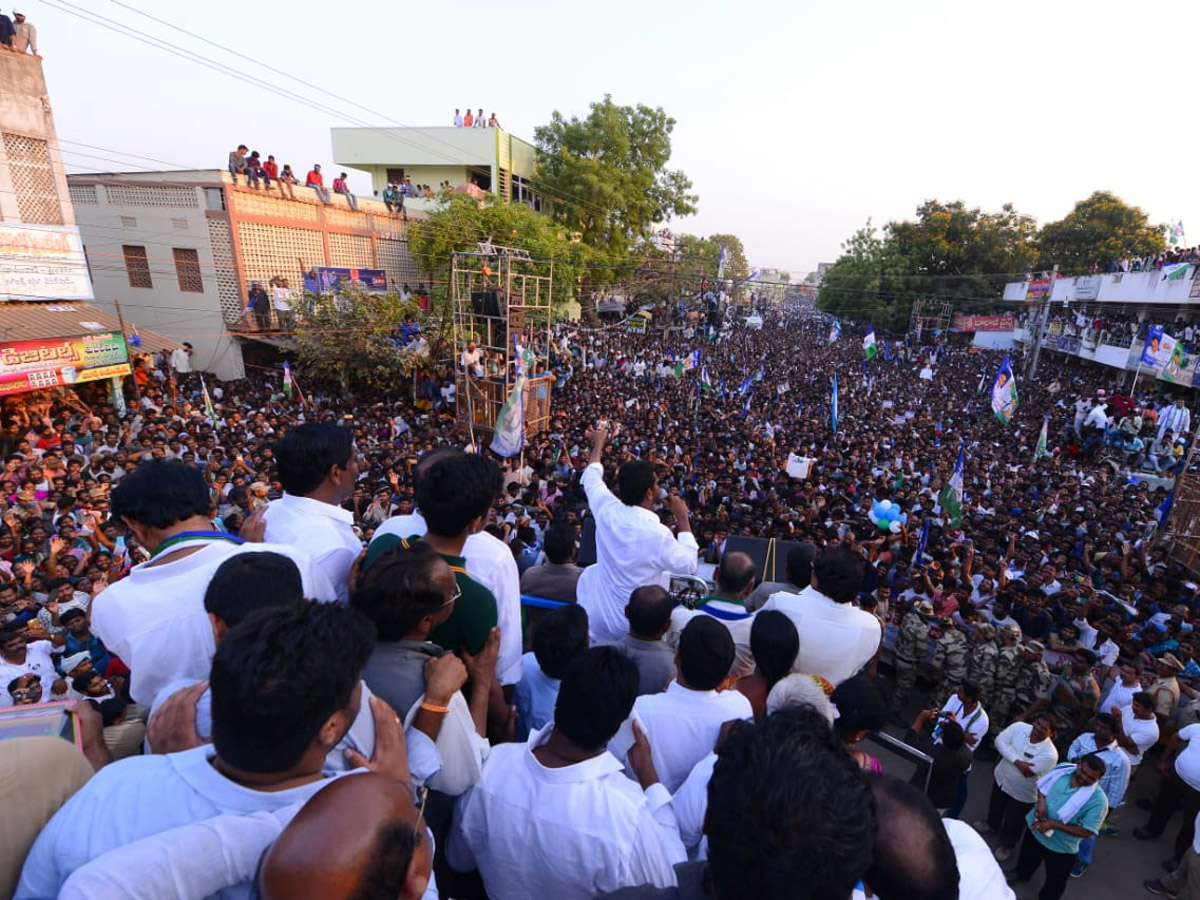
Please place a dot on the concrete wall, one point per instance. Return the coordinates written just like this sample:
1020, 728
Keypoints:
995, 340
185, 316
25, 111
1121, 287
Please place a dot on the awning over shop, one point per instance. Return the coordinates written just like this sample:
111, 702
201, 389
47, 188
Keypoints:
44, 345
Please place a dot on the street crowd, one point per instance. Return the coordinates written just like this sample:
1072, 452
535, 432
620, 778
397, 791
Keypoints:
292, 637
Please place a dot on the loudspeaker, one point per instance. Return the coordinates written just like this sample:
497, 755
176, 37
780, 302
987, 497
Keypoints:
485, 303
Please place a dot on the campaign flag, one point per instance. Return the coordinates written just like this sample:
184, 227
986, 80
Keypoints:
833, 405
680, 368
951, 497
509, 437
1040, 450
769, 429
1176, 230
1164, 509
721, 263
208, 405
1176, 271
287, 379
1004, 393
751, 277
746, 405
870, 348
746, 386
835, 332
887, 351
982, 380
692, 360
919, 553
705, 384
1156, 353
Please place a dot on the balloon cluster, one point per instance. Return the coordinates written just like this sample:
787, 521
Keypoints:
887, 516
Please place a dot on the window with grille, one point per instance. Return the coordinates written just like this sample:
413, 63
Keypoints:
179, 223
84, 194
156, 195
137, 266
187, 269
33, 180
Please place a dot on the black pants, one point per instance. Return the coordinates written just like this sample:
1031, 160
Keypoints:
1174, 793
1058, 866
1006, 816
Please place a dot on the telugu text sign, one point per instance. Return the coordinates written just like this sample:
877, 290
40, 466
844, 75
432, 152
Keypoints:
43, 262
30, 365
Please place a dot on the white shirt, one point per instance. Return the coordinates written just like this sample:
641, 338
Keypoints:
154, 618
181, 360
737, 622
1119, 695
1174, 420
681, 725
1187, 763
567, 833
974, 723
633, 548
836, 639
323, 531
1013, 745
691, 803
37, 662
979, 875
1143, 733
135, 798
491, 563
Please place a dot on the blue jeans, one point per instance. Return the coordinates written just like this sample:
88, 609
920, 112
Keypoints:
351, 200
322, 193
1086, 848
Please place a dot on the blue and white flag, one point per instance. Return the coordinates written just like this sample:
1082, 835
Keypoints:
751, 277
833, 405
721, 264
919, 553
951, 497
835, 332
509, 436
746, 405
692, 360
746, 386
1004, 393
870, 348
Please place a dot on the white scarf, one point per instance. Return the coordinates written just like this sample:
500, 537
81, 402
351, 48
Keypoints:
1073, 803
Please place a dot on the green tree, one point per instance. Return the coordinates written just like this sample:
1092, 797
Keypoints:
1099, 230
348, 337
605, 179
858, 285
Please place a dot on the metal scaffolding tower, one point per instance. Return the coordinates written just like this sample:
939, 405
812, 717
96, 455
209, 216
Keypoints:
929, 317
501, 297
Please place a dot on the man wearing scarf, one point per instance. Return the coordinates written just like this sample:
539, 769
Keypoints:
1069, 808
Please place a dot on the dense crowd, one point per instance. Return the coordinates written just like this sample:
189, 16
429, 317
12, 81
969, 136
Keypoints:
155, 565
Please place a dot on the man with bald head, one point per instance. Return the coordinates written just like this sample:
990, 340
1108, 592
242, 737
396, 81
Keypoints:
734, 579
836, 637
649, 614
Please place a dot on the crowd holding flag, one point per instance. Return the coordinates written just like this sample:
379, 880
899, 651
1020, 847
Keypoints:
288, 385
705, 384
835, 332
746, 386
919, 554
951, 497
208, 404
870, 348
721, 263
1004, 393
1176, 233
1043, 438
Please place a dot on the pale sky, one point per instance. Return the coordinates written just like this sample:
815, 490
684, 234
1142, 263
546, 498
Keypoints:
796, 121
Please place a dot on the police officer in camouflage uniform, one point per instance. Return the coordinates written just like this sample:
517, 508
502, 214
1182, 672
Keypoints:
950, 660
1033, 679
909, 652
1008, 664
981, 666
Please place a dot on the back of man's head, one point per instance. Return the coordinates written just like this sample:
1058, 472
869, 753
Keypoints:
279, 676
634, 478
560, 636
360, 837
161, 493
913, 859
735, 573
306, 454
595, 697
839, 573
397, 590
456, 490
559, 543
800, 564
248, 582
706, 653
789, 813
649, 611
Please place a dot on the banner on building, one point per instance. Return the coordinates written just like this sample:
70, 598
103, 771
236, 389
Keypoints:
1087, 287
1194, 290
961, 322
43, 262
636, 325
331, 280
1158, 349
32, 365
1039, 289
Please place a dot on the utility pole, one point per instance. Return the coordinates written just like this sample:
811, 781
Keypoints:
137, 394
1043, 322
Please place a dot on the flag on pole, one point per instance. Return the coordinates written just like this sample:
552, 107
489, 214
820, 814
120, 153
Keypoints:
721, 263
1041, 450
746, 405
509, 436
835, 332
287, 379
869, 346
1004, 393
1176, 233
833, 405
951, 497
692, 360
751, 277
887, 351
208, 404
705, 384
1164, 509
746, 386
1176, 271
982, 380
919, 554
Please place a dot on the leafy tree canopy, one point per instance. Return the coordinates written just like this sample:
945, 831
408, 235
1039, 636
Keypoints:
1099, 230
